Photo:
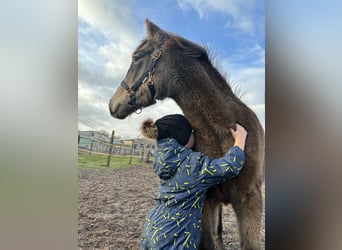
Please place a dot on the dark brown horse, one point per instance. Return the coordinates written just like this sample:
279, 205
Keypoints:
168, 66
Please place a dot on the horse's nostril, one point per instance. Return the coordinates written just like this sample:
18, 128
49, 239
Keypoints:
111, 112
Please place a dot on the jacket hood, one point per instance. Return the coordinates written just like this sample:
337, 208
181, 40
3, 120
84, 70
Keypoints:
167, 158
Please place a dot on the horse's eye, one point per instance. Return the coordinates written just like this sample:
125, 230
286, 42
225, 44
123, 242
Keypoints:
135, 58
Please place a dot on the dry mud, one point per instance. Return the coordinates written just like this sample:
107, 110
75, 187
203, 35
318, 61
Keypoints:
113, 203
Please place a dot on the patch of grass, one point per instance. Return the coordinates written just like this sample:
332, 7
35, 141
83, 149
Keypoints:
86, 160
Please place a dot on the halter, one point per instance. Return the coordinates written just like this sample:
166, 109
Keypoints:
147, 75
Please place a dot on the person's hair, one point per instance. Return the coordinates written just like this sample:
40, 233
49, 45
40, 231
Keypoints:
171, 126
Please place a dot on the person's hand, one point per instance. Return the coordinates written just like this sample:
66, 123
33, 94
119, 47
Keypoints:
239, 136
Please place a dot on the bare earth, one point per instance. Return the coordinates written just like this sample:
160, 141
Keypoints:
112, 205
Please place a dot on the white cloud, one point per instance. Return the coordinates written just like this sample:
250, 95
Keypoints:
117, 57
259, 110
249, 82
111, 34
130, 127
115, 19
252, 84
241, 11
97, 117
108, 34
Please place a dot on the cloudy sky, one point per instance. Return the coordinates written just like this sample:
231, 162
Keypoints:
110, 30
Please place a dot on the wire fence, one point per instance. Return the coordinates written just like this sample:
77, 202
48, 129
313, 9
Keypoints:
132, 148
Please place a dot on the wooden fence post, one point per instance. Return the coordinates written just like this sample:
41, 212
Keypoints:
110, 148
130, 158
148, 156
91, 145
142, 153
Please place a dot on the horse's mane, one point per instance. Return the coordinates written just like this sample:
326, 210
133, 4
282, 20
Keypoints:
205, 54
188, 47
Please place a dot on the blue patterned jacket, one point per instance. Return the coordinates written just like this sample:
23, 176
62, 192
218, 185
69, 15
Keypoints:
175, 220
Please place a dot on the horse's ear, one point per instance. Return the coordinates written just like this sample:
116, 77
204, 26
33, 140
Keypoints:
153, 30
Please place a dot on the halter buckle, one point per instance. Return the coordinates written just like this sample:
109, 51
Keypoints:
156, 55
130, 92
138, 111
150, 76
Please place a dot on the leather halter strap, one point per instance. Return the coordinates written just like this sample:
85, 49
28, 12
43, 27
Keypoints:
147, 75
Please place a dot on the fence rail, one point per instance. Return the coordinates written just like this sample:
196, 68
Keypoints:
135, 150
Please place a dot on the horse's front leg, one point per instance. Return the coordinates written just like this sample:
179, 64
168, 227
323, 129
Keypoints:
211, 237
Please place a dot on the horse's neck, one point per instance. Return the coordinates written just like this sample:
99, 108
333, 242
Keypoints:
211, 109
207, 99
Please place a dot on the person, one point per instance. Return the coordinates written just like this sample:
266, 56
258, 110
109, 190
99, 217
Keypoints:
175, 220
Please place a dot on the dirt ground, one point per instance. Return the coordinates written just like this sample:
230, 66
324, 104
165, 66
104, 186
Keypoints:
113, 203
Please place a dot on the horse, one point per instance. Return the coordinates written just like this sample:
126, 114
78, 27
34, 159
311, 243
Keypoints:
166, 65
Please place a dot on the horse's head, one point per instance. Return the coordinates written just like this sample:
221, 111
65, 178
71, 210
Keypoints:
141, 86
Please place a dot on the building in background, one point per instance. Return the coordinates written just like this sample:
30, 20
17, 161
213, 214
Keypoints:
99, 142
85, 138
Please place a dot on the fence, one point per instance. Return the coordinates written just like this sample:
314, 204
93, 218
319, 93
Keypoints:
130, 148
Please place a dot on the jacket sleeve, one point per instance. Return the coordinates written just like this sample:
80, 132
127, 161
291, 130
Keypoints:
214, 171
